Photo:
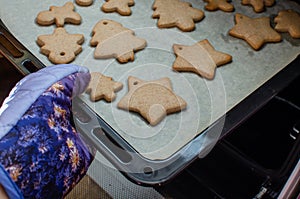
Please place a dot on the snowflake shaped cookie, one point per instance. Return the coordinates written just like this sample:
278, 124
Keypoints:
176, 13
60, 47
120, 6
59, 15
258, 5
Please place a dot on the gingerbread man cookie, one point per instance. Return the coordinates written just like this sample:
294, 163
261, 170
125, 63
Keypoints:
288, 21
59, 15
200, 58
153, 100
223, 5
255, 31
176, 13
120, 6
112, 40
258, 5
102, 87
60, 47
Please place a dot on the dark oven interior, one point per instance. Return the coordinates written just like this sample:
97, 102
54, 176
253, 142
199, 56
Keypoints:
254, 160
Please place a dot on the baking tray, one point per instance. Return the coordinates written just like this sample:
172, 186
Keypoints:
134, 155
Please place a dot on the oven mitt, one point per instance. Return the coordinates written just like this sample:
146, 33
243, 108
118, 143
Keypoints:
41, 153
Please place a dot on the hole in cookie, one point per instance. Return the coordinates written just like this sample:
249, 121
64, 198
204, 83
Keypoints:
135, 83
62, 54
180, 48
105, 22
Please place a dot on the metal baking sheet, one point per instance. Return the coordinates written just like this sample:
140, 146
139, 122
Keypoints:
207, 100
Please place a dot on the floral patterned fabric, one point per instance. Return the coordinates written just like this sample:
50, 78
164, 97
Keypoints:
43, 154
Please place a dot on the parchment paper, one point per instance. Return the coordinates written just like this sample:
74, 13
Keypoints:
207, 100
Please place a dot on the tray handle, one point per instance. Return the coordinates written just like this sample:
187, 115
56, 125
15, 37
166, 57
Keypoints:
24, 61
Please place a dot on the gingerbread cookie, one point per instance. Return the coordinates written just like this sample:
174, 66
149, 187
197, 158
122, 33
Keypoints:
60, 47
120, 6
84, 2
59, 15
255, 31
102, 87
200, 58
112, 40
153, 100
176, 13
223, 5
258, 5
288, 21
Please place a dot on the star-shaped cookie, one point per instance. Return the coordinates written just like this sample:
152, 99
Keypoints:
288, 21
258, 5
200, 58
153, 100
176, 13
255, 31
60, 47
59, 15
102, 87
120, 6
213, 5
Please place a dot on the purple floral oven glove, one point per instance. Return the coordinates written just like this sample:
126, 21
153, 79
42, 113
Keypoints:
41, 153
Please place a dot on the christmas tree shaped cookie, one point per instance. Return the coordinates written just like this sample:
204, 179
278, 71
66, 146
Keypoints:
176, 13
112, 40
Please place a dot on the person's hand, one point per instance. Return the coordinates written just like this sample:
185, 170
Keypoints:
39, 148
